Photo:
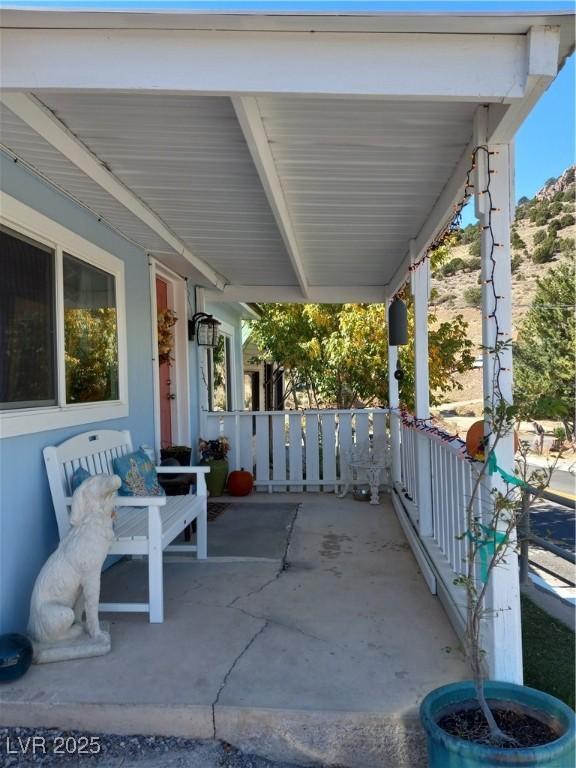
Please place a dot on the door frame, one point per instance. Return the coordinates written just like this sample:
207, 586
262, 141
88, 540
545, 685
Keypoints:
178, 301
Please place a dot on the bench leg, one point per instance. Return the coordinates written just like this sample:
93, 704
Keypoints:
155, 570
202, 533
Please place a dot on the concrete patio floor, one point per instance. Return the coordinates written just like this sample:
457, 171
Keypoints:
321, 655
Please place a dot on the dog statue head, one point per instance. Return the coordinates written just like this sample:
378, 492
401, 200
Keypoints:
94, 498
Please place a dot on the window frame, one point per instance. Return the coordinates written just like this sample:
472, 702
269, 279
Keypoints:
228, 332
36, 226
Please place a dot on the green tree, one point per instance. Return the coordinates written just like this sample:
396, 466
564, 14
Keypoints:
337, 354
544, 354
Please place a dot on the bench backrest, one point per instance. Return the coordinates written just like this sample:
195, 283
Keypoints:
92, 450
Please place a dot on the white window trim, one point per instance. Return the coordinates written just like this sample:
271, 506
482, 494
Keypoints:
227, 330
21, 218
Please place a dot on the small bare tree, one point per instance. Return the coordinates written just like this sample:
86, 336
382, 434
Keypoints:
491, 536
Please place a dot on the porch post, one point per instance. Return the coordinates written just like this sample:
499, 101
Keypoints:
203, 371
393, 404
502, 639
421, 290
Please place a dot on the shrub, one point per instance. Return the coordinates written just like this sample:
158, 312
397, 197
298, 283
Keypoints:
471, 265
520, 276
516, 241
541, 219
556, 208
567, 246
434, 295
553, 227
539, 237
474, 249
453, 266
515, 262
559, 433
567, 220
470, 233
546, 251
473, 296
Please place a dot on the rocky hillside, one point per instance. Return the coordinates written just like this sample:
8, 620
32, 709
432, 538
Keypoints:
543, 234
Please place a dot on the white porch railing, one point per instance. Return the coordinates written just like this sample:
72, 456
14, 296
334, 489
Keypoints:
298, 450
452, 479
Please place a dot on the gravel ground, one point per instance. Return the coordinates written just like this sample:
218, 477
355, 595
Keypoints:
52, 747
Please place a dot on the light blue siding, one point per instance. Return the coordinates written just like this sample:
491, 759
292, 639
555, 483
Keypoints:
27, 525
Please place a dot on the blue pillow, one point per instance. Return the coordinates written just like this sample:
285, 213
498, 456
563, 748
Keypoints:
138, 475
80, 474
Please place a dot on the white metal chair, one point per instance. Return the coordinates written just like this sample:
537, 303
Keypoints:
144, 525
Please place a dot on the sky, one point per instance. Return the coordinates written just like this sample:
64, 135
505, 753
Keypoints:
544, 143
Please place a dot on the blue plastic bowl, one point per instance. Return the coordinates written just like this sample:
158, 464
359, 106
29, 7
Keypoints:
15, 657
447, 751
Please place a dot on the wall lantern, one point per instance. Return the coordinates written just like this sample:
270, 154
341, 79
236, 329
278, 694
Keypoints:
203, 328
397, 323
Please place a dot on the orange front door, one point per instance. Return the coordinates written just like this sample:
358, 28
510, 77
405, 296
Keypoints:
164, 372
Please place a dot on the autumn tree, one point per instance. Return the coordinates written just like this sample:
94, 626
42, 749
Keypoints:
544, 354
337, 354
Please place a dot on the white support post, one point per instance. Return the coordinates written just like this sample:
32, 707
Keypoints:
502, 637
203, 371
393, 404
421, 292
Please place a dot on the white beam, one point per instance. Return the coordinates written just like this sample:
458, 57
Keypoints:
325, 294
46, 125
250, 120
452, 67
543, 47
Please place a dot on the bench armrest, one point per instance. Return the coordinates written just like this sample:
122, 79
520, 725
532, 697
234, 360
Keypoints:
183, 470
133, 501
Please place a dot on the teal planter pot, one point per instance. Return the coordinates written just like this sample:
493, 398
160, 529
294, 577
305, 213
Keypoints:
446, 751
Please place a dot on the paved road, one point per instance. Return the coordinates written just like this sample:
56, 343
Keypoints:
551, 521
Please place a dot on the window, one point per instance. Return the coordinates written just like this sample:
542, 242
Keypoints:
220, 370
27, 323
62, 353
90, 333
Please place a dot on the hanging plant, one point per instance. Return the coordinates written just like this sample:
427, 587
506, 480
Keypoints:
166, 320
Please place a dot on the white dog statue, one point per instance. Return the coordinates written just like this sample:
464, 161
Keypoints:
69, 583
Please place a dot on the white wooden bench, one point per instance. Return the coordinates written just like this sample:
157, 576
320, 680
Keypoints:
144, 525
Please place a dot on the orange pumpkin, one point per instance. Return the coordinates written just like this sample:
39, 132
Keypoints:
240, 483
475, 441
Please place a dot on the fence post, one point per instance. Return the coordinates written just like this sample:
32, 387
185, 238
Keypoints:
524, 535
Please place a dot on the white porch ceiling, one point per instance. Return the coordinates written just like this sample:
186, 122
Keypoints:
359, 177
255, 156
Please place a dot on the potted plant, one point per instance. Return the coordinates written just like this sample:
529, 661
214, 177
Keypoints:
213, 454
182, 454
484, 722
